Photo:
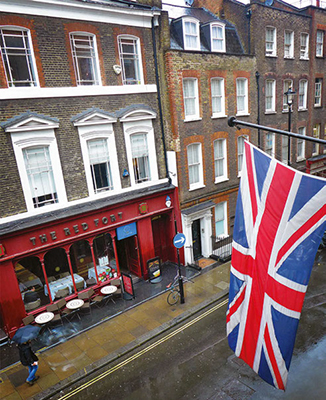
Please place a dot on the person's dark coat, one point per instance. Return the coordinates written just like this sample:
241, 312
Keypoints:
26, 355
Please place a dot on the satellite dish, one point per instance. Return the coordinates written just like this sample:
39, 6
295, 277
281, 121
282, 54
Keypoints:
189, 2
269, 2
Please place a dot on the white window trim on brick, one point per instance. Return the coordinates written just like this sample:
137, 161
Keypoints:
220, 95
241, 153
270, 96
221, 206
285, 149
194, 22
301, 143
288, 44
140, 121
96, 79
200, 183
220, 159
98, 126
137, 60
318, 92
270, 149
319, 43
303, 94
304, 46
29, 56
221, 40
316, 134
37, 132
243, 95
194, 98
270, 44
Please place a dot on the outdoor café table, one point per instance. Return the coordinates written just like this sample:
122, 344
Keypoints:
108, 291
44, 318
75, 305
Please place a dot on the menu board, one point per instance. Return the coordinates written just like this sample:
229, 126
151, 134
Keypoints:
127, 284
154, 269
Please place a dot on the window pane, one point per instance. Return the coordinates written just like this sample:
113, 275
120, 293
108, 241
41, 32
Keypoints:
219, 157
190, 97
17, 58
100, 164
217, 95
83, 51
40, 175
193, 163
219, 220
129, 59
139, 150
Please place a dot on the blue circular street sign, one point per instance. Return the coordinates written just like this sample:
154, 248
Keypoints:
179, 240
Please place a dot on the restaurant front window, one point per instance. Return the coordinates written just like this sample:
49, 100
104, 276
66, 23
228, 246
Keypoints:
82, 264
31, 282
105, 257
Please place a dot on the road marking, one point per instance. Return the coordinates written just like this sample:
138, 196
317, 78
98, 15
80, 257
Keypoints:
142, 352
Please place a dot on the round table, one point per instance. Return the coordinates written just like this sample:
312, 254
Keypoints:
74, 304
110, 289
44, 318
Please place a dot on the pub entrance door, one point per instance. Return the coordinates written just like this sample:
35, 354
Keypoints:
196, 239
161, 236
128, 253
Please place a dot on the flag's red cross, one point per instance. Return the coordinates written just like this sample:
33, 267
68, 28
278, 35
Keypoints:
257, 268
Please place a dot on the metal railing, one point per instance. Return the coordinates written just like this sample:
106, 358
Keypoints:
222, 248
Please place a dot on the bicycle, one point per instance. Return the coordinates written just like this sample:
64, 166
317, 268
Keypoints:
174, 287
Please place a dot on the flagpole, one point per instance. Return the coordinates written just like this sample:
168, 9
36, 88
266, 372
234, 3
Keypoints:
232, 121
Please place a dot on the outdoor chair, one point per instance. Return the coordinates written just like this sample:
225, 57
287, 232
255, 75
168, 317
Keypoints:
55, 310
87, 302
28, 320
97, 299
117, 283
64, 311
62, 293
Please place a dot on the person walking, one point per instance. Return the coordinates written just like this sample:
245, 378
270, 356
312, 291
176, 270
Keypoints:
30, 360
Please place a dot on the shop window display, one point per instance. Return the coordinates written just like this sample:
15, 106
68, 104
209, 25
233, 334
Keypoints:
105, 257
31, 283
82, 264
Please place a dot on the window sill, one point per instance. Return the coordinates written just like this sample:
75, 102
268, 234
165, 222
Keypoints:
221, 237
304, 59
221, 179
218, 116
270, 112
317, 106
271, 55
244, 114
192, 119
288, 58
300, 159
302, 109
199, 186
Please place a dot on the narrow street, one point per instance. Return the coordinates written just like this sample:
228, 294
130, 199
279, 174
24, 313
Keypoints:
194, 360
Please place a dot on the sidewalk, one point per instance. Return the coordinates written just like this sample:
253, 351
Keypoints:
67, 362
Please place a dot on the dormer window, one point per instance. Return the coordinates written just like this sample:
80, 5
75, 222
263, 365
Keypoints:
191, 34
218, 37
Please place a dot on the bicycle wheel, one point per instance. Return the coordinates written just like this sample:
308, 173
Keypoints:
173, 297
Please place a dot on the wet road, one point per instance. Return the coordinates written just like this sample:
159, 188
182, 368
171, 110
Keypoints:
195, 362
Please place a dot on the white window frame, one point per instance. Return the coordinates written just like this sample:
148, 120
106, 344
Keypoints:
304, 46
33, 80
220, 40
140, 121
220, 159
37, 132
270, 96
288, 44
221, 96
301, 144
91, 38
243, 95
223, 206
240, 151
139, 78
200, 183
287, 83
316, 134
99, 126
271, 51
194, 98
319, 43
195, 35
303, 94
285, 149
318, 92
270, 144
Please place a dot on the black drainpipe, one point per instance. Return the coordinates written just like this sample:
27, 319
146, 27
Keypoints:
159, 101
248, 14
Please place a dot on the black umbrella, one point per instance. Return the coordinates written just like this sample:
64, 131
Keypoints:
26, 333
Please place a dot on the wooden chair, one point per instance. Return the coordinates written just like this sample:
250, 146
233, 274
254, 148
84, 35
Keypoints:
87, 301
80, 285
117, 283
28, 320
96, 298
64, 311
62, 293
32, 305
55, 310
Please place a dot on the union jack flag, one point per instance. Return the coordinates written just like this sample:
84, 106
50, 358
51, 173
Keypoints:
280, 219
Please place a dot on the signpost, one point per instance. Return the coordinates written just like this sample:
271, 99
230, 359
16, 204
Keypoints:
179, 241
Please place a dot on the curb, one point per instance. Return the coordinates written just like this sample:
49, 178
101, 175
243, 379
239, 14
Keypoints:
53, 390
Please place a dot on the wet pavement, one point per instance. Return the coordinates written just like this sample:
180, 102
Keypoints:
123, 326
